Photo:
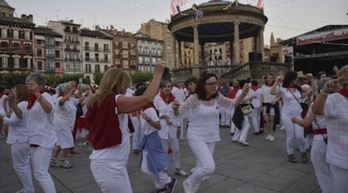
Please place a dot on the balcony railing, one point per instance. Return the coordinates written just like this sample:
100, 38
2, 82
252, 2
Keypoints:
96, 60
71, 50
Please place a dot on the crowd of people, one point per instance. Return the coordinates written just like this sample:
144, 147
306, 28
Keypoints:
152, 120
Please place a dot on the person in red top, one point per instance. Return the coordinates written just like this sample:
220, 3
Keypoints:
107, 121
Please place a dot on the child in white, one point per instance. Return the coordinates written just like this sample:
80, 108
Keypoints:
154, 157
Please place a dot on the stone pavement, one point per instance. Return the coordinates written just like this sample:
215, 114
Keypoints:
259, 168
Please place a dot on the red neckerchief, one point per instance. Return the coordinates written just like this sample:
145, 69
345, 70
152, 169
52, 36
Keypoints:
209, 98
176, 85
60, 95
148, 106
254, 88
293, 86
32, 99
171, 98
1, 94
343, 92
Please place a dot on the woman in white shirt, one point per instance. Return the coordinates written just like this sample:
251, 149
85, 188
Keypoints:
18, 136
202, 110
291, 95
42, 136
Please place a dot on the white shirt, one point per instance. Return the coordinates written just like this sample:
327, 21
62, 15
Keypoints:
65, 115
18, 128
203, 116
179, 94
40, 127
118, 152
336, 114
266, 94
146, 127
291, 106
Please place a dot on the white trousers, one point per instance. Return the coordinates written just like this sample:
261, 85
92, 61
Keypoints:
21, 161
136, 135
203, 152
293, 131
225, 119
321, 167
241, 135
174, 144
111, 176
233, 126
340, 179
255, 119
40, 161
163, 176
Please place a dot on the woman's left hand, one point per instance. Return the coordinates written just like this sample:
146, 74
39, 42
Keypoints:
246, 89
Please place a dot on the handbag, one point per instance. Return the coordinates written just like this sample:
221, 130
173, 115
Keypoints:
247, 109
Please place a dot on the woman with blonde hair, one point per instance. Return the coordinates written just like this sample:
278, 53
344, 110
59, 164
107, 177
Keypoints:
334, 108
18, 136
107, 121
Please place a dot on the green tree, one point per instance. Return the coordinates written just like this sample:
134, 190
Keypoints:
97, 78
12, 79
141, 77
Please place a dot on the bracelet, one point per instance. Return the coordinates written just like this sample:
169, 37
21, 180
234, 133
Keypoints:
323, 93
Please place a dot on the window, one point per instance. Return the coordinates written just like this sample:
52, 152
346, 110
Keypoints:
88, 68
106, 48
87, 56
15, 46
140, 59
3, 33
27, 35
15, 34
4, 45
106, 58
86, 45
159, 53
39, 65
57, 54
57, 64
125, 54
97, 68
125, 64
125, 45
16, 62
96, 56
96, 47
106, 68
39, 53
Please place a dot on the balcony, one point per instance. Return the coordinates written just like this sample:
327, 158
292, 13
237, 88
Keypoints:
97, 60
71, 50
72, 41
72, 60
16, 51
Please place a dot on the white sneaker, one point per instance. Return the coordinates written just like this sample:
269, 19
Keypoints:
244, 143
271, 138
282, 128
66, 164
268, 136
205, 178
180, 172
188, 188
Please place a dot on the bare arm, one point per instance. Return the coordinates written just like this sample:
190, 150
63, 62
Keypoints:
319, 103
242, 96
306, 122
274, 89
131, 104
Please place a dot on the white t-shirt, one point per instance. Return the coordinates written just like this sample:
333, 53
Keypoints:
40, 126
18, 130
336, 114
266, 94
65, 115
291, 106
146, 127
118, 152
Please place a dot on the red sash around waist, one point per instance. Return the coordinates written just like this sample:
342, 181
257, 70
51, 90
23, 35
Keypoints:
320, 131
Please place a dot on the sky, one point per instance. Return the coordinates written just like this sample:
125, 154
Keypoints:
286, 18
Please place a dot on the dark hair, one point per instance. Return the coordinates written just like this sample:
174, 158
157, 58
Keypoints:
2, 88
164, 82
320, 73
248, 79
140, 91
254, 83
289, 77
242, 83
139, 85
200, 90
191, 79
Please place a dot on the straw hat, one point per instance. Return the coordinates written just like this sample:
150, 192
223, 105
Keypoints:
301, 75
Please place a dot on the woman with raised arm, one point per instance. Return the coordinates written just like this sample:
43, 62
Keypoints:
107, 121
202, 110
334, 107
291, 95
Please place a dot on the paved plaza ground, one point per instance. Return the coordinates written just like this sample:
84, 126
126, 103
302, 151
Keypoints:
260, 168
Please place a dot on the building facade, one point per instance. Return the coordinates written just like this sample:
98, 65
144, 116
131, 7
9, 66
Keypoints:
16, 40
96, 52
150, 51
48, 51
71, 43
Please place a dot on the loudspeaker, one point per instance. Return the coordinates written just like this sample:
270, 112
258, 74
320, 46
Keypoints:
288, 60
255, 57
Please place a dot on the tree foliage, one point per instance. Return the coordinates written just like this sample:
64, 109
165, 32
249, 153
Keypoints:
12, 79
141, 77
97, 78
